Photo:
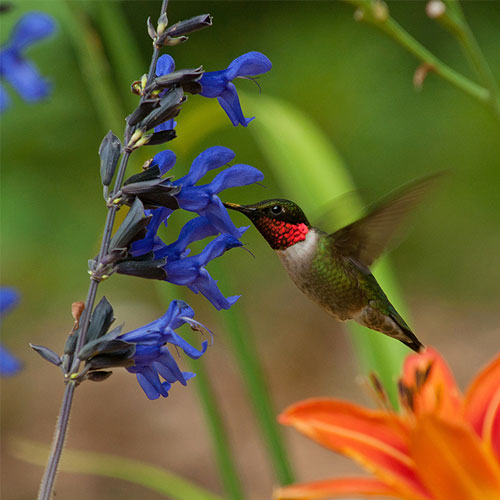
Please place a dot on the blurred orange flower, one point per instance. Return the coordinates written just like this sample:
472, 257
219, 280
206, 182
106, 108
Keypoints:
442, 445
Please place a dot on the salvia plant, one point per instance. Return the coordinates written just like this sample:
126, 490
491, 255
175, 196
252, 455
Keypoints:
95, 346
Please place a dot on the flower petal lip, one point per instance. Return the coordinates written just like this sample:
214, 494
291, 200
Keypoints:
482, 405
249, 64
219, 83
165, 65
230, 103
9, 364
376, 439
331, 488
23, 76
165, 160
31, 28
9, 297
452, 462
210, 159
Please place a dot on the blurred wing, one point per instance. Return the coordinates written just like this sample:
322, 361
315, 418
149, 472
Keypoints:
366, 239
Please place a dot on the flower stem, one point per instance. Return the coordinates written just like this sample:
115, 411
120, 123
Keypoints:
88, 55
225, 461
398, 33
454, 19
47, 483
368, 12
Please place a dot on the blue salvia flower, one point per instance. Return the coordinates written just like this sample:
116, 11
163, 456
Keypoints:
219, 83
164, 66
187, 270
191, 272
199, 199
165, 160
9, 365
203, 199
15, 68
152, 357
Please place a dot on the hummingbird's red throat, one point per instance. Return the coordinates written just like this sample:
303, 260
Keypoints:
280, 234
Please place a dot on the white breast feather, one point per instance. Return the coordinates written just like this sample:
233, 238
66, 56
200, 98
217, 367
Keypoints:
297, 258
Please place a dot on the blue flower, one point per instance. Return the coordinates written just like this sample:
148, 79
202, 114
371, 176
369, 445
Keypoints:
203, 199
152, 357
17, 70
219, 83
9, 365
213, 219
165, 160
165, 65
191, 272
196, 229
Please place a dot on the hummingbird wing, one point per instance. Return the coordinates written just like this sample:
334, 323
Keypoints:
365, 240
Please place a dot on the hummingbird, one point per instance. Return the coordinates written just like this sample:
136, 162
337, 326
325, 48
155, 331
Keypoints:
334, 269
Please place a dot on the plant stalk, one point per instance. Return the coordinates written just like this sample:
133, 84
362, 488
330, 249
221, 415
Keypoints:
380, 18
48, 480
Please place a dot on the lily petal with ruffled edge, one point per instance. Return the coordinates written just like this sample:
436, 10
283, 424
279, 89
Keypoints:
377, 440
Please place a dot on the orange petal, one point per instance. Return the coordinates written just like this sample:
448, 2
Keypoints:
435, 391
482, 405
376, 439
452, 462
331, 488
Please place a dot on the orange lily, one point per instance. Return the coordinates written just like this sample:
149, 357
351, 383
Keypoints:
441, 446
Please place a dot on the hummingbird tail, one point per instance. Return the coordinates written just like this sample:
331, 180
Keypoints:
412, 342
391, 324
407, 336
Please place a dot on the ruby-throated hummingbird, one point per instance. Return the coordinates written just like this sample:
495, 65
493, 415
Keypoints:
333, 269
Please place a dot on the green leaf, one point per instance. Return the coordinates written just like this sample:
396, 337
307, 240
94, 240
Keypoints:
103, 464
310, 171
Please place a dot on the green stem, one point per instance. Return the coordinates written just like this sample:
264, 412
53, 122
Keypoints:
393, 29
454, 19
49, 475
225, 461
389, 26
253, 375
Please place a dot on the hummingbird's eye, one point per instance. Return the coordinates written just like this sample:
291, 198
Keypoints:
277, 209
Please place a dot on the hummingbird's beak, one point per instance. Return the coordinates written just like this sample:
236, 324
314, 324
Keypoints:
245, 209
